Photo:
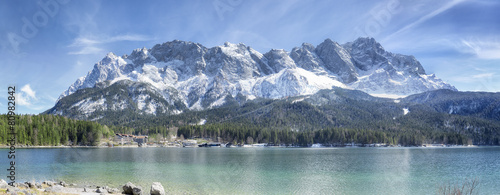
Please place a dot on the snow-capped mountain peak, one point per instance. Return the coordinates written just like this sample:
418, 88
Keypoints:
200, 77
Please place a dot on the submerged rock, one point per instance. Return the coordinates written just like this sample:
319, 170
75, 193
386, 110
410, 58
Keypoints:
157, 189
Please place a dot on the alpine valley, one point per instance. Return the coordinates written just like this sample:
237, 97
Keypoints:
356, 85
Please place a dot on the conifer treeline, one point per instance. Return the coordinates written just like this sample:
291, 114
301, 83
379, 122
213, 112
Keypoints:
56, 130
50, 130
238, 134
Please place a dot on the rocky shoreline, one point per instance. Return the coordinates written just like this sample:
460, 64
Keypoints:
50, 187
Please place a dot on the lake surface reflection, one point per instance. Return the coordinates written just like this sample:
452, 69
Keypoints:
266, 170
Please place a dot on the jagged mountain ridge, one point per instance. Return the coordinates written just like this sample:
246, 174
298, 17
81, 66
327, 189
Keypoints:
201, 77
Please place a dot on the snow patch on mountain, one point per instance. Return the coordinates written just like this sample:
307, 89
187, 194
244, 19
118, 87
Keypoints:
389, 96
406, 111
151, 108
202, 122
218, 103
119, 105
88, 106
293, 82
141, 101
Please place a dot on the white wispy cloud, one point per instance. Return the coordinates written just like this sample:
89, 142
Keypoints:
129, 38
425, 18
83, 41
483, 49
27, 89
53, 99
22, 99
93, 45
26, 96
87, 50
30, 101
484, 75
472, 78
485, 82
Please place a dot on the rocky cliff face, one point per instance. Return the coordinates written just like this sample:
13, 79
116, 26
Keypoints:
193, 77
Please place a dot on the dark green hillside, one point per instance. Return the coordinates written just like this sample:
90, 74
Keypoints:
441, 116
117, 95
338, 109
478, 104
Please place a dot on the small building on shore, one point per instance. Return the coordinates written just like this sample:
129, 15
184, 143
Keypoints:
126, 139
123, 138
141, 140
189, 143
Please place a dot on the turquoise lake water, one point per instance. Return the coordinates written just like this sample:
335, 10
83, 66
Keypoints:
266, 170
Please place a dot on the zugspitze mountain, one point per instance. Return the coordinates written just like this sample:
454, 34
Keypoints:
178, 75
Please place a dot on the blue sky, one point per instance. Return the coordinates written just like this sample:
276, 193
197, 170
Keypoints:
46, 45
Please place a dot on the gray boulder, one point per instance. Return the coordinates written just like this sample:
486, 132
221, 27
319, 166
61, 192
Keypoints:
113, 190
3, 183
137, 190
49, 183
22, 185
157, 189
101, 190
30, 184
128, 188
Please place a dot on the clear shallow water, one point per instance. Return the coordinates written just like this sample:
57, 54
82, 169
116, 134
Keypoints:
266, 170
